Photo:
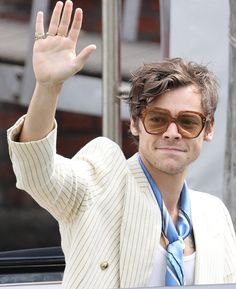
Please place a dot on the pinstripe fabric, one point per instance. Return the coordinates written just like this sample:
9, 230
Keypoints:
107, 212
214, 239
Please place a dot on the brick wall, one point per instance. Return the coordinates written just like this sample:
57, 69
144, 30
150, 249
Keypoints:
20, 215
15, 9
149, 23
149, 27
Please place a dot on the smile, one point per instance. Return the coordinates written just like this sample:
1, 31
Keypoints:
171, 149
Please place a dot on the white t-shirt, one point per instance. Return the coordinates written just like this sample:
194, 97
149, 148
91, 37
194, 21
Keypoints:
157, 277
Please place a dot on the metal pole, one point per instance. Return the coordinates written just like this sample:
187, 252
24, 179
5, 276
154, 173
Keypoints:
165, 27
230, 151
111, 69
130, 19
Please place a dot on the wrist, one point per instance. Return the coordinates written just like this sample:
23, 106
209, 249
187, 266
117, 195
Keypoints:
49, 86
48, 90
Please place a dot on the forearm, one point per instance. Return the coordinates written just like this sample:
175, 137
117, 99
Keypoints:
39, 120
46, 176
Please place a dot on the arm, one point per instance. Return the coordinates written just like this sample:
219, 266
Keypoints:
64, 186
54, 61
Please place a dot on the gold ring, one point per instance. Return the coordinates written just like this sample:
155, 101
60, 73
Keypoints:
49, 34
61, 35
39, 36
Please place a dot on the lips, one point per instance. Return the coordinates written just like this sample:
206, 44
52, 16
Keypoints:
172, 149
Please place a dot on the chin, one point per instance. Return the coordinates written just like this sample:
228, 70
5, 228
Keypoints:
171, 169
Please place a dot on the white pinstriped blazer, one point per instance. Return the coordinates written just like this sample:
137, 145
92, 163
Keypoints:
109, 220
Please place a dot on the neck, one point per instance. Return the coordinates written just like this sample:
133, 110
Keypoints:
170, 186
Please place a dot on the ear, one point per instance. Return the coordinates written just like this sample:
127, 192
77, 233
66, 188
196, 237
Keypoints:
210, 132
133, 127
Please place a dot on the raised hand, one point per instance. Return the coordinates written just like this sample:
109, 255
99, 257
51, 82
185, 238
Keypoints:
54, 54
54, 60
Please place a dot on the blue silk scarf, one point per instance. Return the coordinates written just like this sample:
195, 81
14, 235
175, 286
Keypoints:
174, 235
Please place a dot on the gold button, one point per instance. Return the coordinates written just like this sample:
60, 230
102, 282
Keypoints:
104, 265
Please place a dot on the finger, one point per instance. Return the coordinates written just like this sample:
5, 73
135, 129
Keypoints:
84, 55
76, 25
55, 19
65, 19
39, 26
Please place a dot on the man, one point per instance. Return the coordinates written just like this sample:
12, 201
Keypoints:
126, 223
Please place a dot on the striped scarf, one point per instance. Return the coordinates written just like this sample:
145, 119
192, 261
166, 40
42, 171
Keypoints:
175, 235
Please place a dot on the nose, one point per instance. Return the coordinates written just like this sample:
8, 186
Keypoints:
172, 132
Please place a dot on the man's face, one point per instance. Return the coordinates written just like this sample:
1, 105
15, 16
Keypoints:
170, 152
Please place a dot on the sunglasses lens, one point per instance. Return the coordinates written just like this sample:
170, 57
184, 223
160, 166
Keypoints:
190, 124
156, 121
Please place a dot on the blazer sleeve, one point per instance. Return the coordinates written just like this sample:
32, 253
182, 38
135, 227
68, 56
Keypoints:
64, 186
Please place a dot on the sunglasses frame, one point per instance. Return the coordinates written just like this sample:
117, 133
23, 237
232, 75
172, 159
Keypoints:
145, 112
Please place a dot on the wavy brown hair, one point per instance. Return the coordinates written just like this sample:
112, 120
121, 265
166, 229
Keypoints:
154, 79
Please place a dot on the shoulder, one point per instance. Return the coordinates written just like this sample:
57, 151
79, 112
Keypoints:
103, 153
100, 145
205, 198
210, 206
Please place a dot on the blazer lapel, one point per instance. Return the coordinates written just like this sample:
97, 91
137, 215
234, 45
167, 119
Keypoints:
140, 229
208, 241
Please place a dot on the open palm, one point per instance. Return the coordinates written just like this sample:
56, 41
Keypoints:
55, 58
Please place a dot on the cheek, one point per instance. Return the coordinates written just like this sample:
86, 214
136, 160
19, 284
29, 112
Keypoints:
196, 148
147, 142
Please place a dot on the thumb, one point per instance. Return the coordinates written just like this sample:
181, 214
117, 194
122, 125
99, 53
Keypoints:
82, 57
